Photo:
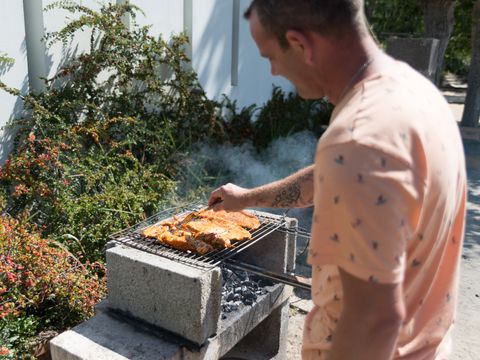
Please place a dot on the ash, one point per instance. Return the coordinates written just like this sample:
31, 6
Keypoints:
241, 288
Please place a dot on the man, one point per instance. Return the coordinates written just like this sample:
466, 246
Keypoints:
388, 187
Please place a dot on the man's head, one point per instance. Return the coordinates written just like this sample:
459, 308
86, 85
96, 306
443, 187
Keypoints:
307, 41
325, 17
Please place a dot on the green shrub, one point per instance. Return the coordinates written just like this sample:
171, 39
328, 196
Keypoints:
42, 286
285, 114
98, 152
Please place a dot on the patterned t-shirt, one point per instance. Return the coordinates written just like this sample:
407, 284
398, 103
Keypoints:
390, 193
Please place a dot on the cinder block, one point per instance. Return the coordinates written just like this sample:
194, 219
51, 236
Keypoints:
267, 341
168, 294
240, 323
276, 251
110, 336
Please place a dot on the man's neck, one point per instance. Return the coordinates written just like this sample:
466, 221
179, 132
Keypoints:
353, 62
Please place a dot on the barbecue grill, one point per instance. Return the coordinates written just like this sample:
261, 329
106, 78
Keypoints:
268, 224
133, 237
183, 295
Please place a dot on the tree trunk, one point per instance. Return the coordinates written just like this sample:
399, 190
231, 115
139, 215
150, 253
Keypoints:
439, 19
471, 113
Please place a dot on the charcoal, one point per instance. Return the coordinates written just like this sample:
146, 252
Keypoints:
240, 289
248, 301
249, 295
248, 283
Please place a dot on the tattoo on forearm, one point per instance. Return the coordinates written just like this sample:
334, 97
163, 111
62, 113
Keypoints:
288, 196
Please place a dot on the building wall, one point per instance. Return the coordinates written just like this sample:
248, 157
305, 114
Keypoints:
223, 55
12, 42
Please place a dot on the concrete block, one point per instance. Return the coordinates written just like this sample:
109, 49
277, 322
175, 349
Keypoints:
419, 53
276, 251
165, 293
267, 341
108, 338
240, 323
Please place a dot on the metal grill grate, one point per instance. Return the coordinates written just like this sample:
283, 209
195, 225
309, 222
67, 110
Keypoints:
133, 237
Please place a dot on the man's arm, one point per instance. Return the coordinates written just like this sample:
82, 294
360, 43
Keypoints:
295, 190
370, 322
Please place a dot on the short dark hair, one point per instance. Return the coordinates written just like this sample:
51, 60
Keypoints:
326, 17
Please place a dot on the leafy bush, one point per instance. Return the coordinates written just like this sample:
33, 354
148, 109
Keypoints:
98, 152
457, 56
42, 285
285, 114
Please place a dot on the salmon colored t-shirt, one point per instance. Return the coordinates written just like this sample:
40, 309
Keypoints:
390, 193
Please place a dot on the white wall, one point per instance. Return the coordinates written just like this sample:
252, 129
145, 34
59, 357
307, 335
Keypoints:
212, 55
12, 42
57, 19
211, 35
212, 47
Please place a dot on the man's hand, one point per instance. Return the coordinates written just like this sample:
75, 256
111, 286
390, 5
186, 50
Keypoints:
229, 197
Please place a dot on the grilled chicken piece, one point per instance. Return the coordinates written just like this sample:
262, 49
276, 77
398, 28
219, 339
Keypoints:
177, 239
199, 246
242, 218
217, 232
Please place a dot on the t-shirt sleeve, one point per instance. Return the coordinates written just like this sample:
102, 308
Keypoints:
366, 209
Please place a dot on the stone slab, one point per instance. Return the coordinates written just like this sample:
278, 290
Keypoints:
165, 293
109, 336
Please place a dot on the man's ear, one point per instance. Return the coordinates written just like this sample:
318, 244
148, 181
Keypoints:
300, 42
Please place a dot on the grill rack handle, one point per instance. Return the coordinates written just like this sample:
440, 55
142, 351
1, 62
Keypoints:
288, 279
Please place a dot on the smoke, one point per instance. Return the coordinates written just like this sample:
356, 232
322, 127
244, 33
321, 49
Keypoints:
243, 165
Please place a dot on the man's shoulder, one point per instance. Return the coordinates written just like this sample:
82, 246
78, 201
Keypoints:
392, 112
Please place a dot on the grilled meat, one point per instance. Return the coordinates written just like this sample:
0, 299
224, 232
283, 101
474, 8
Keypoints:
242, 218
217, 232
204, 231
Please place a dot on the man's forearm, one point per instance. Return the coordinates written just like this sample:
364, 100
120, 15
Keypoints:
293, 191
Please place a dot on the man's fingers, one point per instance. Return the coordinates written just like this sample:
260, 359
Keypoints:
215, 197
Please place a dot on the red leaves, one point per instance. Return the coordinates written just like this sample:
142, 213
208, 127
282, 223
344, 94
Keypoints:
35, 275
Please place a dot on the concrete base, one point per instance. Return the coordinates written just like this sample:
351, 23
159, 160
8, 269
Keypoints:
259, 346
165, 293
108, 336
